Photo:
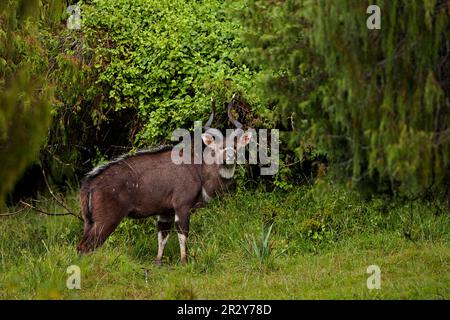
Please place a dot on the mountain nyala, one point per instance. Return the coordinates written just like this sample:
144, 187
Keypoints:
149, 183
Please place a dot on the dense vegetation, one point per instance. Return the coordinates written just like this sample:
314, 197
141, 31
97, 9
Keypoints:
25, 91
375, 102
135, 72
341, 93
364, 118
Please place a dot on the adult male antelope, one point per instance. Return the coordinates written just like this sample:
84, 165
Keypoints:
148, 183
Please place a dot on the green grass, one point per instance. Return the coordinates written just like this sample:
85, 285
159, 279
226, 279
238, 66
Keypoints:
321, 242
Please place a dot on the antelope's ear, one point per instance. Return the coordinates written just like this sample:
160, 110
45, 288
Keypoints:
208, 140
244, 139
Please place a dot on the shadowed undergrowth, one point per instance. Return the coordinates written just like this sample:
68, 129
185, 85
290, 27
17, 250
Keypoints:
313, 242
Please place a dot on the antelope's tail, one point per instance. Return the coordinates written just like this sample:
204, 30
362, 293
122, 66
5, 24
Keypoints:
86, 205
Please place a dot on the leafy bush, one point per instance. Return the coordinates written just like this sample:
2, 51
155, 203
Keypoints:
166, 60
375, 102
134, 72
25, 92
389, 95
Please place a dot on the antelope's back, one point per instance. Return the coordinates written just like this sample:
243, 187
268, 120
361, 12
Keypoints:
143, 184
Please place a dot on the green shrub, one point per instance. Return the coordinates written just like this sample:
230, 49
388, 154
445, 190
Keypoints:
136, 71
25, 91
166, 60
375, 102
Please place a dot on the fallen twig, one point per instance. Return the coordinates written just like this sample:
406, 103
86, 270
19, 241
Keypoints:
50, 213
12, 213
59, 201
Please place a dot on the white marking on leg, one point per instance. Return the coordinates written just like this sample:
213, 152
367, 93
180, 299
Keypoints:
176, 218
161, 244
182, 240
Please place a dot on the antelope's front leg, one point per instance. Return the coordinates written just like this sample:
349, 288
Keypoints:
182, 225
164, 224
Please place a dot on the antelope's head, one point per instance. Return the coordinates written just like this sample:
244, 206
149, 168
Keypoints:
224, 150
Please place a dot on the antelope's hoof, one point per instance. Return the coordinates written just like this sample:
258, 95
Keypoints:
157, 262
82, 249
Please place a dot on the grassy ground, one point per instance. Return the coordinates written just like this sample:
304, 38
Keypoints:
321, 242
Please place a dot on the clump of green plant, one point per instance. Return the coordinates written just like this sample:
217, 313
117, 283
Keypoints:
282, 177
315, 230
262, 248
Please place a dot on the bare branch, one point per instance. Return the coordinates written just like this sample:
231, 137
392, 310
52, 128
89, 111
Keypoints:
49, 213
12, 213
59, 201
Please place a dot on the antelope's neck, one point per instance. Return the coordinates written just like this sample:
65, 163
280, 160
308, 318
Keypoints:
216, 178
226, 171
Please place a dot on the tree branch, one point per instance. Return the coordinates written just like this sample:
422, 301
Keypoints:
49, 213
59, 201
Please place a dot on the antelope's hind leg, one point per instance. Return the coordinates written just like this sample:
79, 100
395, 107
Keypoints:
96, 235
165, 224
182, 225
83, 245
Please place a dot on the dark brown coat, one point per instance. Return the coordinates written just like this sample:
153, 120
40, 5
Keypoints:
149, 183
143, 185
